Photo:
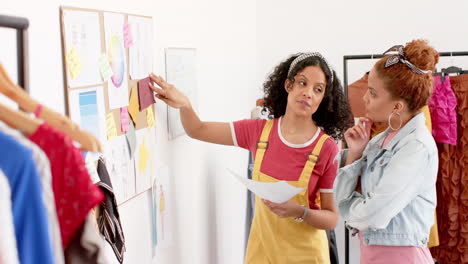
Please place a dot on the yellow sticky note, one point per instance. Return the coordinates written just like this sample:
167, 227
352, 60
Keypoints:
73, 62
111, 129
134, 106
150, 116
143, 157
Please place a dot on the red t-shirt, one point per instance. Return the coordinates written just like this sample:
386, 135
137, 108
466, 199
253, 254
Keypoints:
284, 160
74, 192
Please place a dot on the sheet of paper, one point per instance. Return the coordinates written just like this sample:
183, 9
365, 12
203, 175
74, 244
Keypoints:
105, 68
124, 119
141, 52
144, 158
73, 63
133, 108
87, 110
128, 38
145, 94
110, 125
277, 192
150, 116
81, 30
118, 83
121, 168
131, 139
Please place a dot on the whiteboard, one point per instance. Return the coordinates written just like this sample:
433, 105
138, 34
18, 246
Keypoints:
181, 72
8, 58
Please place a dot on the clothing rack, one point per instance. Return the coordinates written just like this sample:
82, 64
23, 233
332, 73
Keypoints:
21, 25
347, 58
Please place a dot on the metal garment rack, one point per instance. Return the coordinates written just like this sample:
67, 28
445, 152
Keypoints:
21, 25
347, 58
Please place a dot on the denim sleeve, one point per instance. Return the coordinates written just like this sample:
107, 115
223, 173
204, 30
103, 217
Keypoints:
398, 186
345, 183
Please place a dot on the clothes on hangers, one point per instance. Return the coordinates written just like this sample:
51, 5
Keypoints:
452, 185
43, 168
442, 106
29, 213
108, 218
75, 194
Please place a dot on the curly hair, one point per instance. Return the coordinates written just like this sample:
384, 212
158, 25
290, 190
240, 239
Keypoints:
333, 113
402, 82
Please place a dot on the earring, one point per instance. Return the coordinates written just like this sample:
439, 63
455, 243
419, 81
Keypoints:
390, 123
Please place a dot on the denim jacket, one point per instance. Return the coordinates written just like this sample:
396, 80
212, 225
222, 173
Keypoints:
396, 207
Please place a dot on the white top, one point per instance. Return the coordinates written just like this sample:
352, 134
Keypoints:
8, 250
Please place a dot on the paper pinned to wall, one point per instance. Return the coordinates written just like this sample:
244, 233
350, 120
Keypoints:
73, 63
81, 29
128, 38
133, 108
277, 192
124, 119
111, 129
116, 54
150, 116
121, 168
144, 158
181, 72
87, 110
131, 139
105, 68
145, 94
165, 210
141, 55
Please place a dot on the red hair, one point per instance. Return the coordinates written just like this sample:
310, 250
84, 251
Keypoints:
402, 82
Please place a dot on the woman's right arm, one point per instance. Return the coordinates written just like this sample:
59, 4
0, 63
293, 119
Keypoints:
213, 132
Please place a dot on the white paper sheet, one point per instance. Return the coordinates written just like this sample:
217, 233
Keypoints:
118, 83
277, 192
141, 55
82, 32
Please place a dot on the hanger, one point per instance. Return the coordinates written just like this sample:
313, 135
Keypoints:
19, 120
87, 141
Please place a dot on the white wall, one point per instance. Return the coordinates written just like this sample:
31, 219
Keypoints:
341, 27
210, 215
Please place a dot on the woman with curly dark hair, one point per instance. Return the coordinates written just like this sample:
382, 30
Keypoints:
308, 109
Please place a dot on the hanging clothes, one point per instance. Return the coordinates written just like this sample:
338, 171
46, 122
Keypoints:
8, 251
75, 194
452, 185
109, 219
442, 106
43, 168
29, 212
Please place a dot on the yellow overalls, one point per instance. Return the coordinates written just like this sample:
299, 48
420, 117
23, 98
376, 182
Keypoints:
275, 240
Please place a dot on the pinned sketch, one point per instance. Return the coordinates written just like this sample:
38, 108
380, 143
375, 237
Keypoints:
144, 158
128, 38
277, 192
121, 168
181, 72
105, 68
140, 53
83, 47
118, 83
150, 116
131, 139
165, 211
133, 108
87, 110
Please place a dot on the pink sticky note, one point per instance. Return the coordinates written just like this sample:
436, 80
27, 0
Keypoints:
145, 94
124, 119
128, 38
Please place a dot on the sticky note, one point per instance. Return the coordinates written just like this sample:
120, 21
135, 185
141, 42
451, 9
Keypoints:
145, 94
110, 126
128, 38
150, 116
105, 68
133, 107
124, 119
73, 62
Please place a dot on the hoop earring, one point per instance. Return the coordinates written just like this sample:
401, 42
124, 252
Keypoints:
390, 123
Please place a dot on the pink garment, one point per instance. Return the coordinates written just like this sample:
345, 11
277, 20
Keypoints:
389, 137
375, 254
442, 106
285, 161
